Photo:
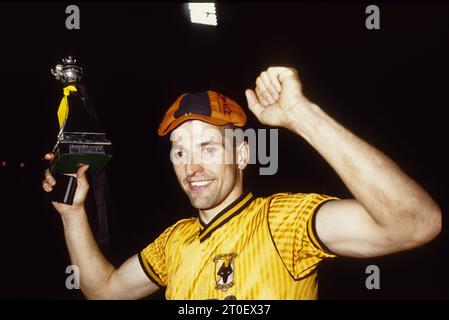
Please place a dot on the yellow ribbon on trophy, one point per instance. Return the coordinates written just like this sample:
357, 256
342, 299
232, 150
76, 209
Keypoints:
63, 110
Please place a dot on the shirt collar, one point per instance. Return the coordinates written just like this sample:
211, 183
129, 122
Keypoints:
225, 215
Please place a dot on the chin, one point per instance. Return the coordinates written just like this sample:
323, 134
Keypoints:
203, 203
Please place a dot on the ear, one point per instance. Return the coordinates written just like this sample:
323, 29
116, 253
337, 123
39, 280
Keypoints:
242, 155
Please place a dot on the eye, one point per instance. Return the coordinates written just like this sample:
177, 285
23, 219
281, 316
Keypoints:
210, 149
178, 153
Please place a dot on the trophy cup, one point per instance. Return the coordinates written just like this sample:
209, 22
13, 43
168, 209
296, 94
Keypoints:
80, 139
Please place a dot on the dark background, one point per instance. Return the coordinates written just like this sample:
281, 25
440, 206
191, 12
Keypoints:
388, 86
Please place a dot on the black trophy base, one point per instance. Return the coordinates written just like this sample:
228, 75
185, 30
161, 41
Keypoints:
72, 150
64, 189
70, 163
76, 148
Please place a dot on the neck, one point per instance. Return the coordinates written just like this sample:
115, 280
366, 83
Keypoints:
207, 215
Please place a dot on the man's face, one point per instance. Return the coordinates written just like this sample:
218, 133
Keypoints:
205, 168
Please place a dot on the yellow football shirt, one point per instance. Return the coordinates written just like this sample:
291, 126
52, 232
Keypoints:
256, 248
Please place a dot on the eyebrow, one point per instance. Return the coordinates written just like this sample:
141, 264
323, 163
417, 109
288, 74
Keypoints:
213, 143
202, 144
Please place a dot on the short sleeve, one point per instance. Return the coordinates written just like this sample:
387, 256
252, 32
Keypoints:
291, 219
153, 258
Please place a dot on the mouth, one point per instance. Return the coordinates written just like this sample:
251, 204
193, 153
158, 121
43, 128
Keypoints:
200, 184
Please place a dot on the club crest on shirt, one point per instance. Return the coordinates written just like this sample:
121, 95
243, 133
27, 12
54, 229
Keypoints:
224, 270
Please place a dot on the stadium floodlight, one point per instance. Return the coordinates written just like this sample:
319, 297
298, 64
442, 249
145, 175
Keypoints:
203, 13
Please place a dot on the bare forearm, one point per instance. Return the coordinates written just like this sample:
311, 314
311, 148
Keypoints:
391, 212
386, 192
95, 269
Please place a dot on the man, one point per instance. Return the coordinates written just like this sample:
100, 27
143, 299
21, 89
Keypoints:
241, 247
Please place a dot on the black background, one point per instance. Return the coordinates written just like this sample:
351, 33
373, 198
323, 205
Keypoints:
388, 86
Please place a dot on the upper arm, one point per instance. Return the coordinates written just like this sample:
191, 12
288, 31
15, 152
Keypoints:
143, 273
347, 229
129, 281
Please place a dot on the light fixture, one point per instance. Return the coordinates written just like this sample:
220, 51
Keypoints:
203, 13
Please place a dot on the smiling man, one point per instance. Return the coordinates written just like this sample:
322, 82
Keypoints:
246, 247
199, 164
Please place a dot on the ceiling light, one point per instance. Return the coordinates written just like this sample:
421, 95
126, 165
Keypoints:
203, 13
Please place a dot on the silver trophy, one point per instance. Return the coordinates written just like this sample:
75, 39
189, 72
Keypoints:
68, 72
80, 139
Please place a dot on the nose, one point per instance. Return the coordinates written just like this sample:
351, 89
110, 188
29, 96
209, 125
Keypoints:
193, 168
194, 164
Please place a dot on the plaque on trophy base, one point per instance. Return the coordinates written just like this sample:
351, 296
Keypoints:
75, 148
